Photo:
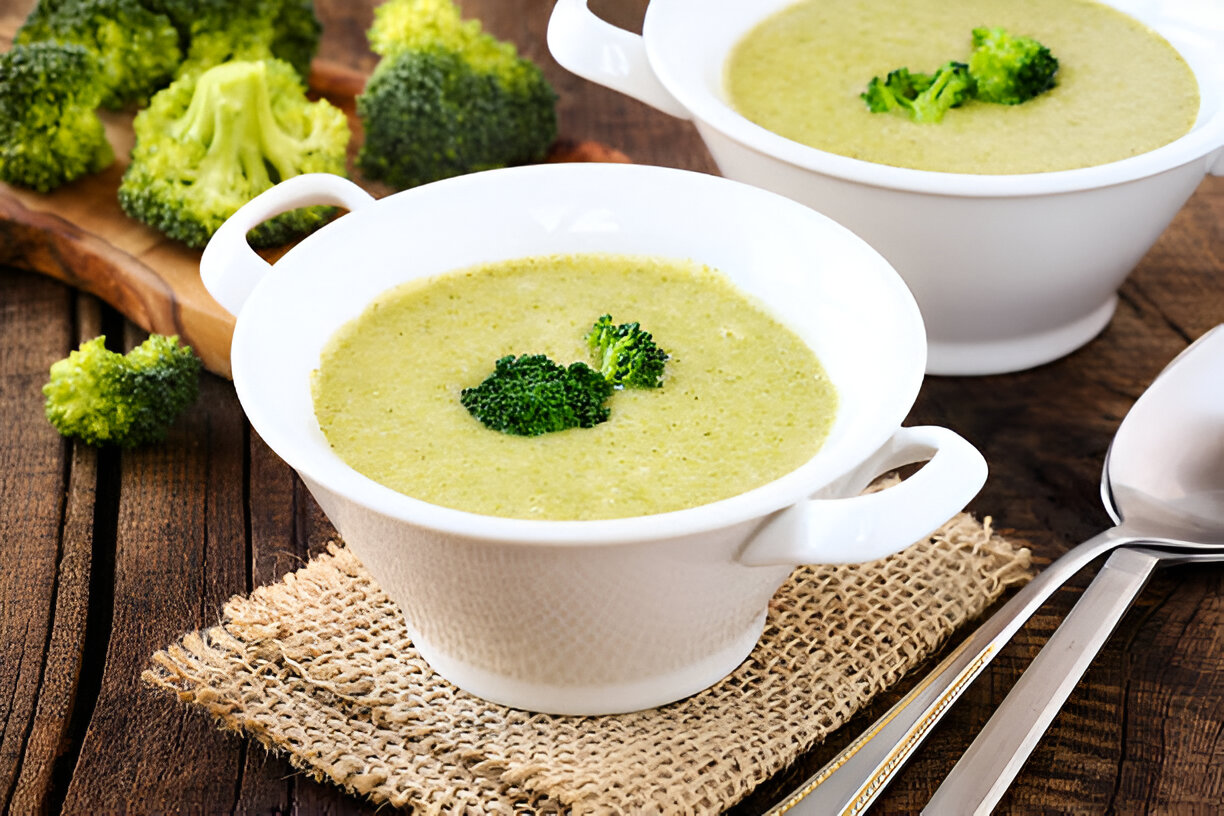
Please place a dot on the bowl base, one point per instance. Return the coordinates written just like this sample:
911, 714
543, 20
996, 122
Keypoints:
611, 698
1017, 353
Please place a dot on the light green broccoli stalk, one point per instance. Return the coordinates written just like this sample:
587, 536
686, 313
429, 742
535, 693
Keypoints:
206, 145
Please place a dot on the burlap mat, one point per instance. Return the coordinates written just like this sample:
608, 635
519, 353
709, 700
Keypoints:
319, 667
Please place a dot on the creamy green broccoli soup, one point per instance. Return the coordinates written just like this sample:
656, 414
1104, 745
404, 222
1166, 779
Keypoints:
744, 400
1121, 88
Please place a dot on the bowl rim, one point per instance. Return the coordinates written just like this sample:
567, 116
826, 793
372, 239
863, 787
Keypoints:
706, 107
352, 486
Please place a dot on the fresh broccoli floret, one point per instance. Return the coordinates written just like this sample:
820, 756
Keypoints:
1010, 70
105, 398
137, 49
50, 133
206, 145
447, 98
626, 355
896, 92
949, 88
922, 97
531, 395
217, 31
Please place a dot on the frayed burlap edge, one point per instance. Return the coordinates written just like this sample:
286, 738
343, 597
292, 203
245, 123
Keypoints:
319, 667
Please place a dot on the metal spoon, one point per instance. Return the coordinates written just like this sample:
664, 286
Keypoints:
1157, 477
854, 778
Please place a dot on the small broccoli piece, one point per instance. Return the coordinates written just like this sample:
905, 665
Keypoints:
50, 133
626, 354
105, 398
217, 31
531, 395
1008, 69
949, 88
896, 92
206, 145
447, 98
137, 49
921, 97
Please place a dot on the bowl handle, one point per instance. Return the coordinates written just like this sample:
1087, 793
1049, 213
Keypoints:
229, 268
610, 56
872, 525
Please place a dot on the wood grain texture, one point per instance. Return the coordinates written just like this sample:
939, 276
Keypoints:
106, 556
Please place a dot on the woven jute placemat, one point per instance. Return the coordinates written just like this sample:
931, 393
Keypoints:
320, 667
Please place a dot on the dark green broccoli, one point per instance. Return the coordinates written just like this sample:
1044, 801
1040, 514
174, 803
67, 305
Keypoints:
1009, 70
922, 97
50, 133
217, 31
447, 98
531, 395
626, 355
137, 49
105, 398
206, 145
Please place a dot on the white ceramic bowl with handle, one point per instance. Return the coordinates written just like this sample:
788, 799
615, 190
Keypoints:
1038, 258
592, 617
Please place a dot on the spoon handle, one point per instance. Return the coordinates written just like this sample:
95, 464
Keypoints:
985, 771
856, 776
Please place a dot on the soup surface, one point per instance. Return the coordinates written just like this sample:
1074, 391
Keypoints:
1122, 89
744, 399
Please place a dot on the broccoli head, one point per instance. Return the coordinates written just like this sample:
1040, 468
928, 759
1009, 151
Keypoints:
217, 31
447, 98
921, 97
50, 133
137, 49
105, 398
208, 144
626, 355
532, 395
1009, 70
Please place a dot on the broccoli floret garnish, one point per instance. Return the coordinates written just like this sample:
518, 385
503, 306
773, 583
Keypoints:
923, 97
531, 395
217, 31
137, 49
105, 398
626, 355
447, 98
206, 145
1002, 69
50, 132
1009, 70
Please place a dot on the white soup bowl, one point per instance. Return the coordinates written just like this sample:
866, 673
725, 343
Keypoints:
1037, 260
593, 617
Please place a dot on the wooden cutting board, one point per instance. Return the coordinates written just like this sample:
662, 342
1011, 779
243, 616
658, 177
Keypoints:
80, 235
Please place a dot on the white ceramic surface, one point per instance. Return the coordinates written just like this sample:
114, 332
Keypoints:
596, 616
1034, 271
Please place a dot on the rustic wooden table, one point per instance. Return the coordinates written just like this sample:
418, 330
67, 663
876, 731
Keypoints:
107, 556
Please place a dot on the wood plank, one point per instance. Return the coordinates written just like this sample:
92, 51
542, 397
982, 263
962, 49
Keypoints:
33, 480
180, 552
50, 740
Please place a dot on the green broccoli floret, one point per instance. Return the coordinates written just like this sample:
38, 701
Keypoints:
447, 98
206, 145
50, 133
921, 97
217, 31
1010, 70
105, 398
626, 355
531, 395
137, 49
